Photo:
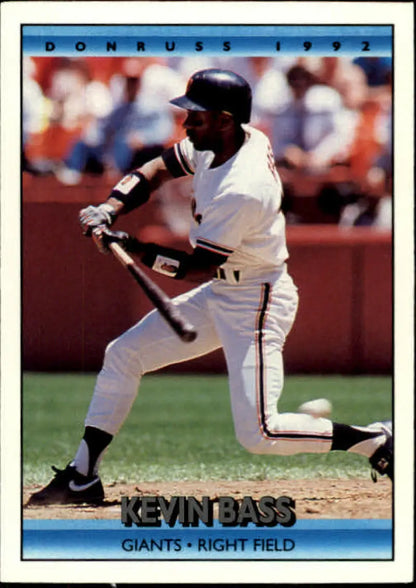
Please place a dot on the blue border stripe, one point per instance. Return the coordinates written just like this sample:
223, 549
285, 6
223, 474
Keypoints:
111, 524
216, 39
209, 30
110, 540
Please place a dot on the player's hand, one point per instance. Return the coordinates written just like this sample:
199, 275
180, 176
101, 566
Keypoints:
96, 216
103, 236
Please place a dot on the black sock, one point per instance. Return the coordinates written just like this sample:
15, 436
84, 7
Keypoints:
345, 436
97, 442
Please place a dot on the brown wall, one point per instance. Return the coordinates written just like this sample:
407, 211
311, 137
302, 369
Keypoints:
344, 322
76, 300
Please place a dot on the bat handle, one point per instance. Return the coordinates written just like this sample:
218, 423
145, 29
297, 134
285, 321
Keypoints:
121, 254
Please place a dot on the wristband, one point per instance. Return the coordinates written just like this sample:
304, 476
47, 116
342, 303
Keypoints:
164, 260
133, 190
167, 266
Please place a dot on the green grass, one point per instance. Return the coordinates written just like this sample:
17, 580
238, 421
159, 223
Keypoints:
180, 428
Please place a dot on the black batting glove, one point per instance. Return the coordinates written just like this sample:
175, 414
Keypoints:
96, 216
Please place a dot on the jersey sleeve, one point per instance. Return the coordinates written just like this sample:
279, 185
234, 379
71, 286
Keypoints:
180, 159
226, 222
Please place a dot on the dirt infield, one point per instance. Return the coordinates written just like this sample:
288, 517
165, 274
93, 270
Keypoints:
315, 499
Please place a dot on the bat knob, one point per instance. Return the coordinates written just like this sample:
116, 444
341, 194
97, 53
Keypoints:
188, 335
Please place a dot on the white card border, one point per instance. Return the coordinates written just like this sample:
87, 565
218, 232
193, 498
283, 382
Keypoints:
13, 15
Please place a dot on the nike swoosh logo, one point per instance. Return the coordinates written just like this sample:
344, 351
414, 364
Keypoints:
79, 488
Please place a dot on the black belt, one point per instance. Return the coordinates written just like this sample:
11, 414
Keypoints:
221, 275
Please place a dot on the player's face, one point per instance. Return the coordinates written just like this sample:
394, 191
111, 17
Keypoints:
202, 128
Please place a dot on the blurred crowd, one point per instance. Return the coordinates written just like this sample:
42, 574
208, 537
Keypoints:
329, 120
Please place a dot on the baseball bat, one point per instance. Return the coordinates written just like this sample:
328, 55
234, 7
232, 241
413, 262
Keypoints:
162, 302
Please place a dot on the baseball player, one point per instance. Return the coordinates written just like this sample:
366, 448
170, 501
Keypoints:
245, 300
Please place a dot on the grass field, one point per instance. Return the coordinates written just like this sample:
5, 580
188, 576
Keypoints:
180, 428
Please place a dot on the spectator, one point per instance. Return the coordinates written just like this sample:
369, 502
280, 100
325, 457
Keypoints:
75, 102
376, 69
371, 167
271, 93
346, 77
311, 128
89, 151
34, 111
383, 134
136, 130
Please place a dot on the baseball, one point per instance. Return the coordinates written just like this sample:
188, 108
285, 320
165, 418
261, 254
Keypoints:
320, 407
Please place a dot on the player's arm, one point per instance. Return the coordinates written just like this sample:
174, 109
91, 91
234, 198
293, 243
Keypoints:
136, 187
132, 191
198, 266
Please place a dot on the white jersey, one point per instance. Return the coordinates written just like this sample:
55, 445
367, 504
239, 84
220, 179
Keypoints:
237, 205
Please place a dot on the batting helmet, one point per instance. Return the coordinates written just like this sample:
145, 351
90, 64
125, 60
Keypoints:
217, 89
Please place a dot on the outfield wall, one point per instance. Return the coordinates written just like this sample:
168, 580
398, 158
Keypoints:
76, 300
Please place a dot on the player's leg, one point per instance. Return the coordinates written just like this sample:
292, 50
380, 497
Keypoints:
147, 346
253, 341
253, 333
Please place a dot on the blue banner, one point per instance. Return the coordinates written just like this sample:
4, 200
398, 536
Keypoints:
237, 40
110, 540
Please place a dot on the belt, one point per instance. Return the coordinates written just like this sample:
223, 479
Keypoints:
221, 274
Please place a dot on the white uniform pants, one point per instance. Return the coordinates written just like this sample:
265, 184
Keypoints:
250, 322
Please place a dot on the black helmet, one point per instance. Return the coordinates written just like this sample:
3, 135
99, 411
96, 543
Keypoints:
217, 89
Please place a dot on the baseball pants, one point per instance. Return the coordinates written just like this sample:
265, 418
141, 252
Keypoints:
250, 322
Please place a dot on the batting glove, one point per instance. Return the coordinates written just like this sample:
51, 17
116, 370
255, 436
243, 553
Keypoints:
103, 236
96, 216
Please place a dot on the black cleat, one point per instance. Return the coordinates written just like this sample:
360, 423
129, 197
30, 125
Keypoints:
69, 487
382, 460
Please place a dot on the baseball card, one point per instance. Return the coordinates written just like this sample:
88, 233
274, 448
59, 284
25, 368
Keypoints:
207, 292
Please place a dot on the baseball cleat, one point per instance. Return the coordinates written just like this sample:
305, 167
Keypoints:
382, 460
69, 487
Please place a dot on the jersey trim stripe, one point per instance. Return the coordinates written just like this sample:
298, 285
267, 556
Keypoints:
171, 161
176, 163
182, 161
261, 378
214, 247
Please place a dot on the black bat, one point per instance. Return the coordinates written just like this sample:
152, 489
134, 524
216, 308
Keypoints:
160, 299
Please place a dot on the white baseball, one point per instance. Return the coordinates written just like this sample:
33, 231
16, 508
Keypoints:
320, 407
